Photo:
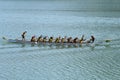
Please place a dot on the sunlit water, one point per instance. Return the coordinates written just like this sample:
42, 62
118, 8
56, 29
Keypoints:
99, 61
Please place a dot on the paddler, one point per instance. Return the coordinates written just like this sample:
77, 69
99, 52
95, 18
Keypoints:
69, 40
23, 35
33, 39
75, 40
40, 39
64, 40
82, 39
45, 39
50, 39
57, 40
92, 39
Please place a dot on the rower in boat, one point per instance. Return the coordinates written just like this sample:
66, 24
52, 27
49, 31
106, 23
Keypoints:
82, 39
75, 40
45, 39
69, 40
58, 40
33, 39
50, 39
64, 40
40, 39
92, 39
23, 35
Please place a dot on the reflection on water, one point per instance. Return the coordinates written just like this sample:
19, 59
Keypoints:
96, 61
63, 62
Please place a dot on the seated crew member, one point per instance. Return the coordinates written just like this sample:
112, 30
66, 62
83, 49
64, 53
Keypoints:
57, 40
92, 39
64, 40
69, 40
40, 39
82, 39
23, 35
75, 40
51, 39
45, 39
33, 39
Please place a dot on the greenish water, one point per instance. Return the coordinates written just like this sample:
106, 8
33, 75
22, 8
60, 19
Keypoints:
54, 18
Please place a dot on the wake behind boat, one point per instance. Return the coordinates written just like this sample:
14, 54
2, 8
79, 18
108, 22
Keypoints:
17, 41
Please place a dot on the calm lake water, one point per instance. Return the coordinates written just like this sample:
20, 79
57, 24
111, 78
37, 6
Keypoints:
59, 18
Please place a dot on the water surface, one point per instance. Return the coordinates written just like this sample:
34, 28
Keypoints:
64, 18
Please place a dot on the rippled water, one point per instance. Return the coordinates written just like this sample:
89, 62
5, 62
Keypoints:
99, 61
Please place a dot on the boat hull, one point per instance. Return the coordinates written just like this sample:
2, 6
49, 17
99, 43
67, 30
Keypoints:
42, 43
